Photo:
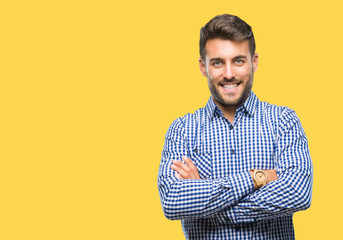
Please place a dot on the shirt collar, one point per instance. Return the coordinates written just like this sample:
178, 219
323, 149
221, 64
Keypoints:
211, 107
249, 106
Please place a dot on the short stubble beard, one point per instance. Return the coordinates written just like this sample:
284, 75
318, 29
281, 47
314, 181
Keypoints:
218, 98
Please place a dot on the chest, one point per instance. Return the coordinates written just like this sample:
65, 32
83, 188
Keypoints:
222, 149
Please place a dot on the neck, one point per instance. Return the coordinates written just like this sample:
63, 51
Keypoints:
230, 115
228, 111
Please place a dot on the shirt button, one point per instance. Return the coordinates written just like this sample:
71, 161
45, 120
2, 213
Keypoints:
231, 127
237, 228
213, 216
232, 151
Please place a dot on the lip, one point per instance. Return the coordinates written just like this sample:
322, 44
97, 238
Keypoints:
231, 89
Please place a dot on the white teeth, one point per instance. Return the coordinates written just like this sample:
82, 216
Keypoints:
230, 86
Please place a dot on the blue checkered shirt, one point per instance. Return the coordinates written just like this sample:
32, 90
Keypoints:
223, 204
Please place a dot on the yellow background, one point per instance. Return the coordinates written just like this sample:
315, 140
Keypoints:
89, 88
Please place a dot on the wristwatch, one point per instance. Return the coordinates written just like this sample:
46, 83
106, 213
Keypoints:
260, 178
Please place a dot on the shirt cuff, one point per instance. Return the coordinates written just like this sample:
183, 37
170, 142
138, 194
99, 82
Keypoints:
241, 185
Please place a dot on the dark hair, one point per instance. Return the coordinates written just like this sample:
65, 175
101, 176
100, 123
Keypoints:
227, 27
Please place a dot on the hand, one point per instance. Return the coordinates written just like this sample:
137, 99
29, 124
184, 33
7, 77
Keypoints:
271, 175
185, 171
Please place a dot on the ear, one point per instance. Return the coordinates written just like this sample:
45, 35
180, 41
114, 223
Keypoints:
202, 67
255, 62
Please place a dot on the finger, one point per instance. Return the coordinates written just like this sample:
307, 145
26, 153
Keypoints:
188, 162
180, 171
192, 168
181, 165
178, 176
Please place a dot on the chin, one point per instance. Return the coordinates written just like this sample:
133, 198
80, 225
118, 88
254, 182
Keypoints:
236, 102
231, 102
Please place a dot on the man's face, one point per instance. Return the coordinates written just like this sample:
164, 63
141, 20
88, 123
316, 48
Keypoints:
229, 69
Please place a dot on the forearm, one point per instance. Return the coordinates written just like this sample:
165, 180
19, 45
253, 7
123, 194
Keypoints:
279, 198
201, 198
195, 198
291, 192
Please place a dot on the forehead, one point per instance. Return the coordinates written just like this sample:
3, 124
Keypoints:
226, 49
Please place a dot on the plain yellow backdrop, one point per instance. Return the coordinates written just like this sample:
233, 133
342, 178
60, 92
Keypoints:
89, 89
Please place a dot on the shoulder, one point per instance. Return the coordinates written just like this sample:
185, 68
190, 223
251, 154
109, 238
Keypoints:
282, 118
282, 113
187, 122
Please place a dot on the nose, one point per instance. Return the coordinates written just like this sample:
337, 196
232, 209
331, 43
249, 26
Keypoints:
229, 71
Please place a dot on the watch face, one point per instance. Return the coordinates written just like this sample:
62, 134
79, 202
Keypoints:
260, 176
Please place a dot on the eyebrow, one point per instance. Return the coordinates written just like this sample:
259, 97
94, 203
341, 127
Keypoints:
240, 56
216, 59
221, 59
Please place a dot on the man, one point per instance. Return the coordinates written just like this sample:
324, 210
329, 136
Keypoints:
237, 168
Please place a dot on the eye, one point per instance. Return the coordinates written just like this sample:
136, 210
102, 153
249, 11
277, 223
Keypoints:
239, 61
217, 64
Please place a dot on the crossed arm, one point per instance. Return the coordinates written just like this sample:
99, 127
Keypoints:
233, 199
188, 170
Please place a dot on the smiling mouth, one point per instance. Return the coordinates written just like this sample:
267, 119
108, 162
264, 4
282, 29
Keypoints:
230, 86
